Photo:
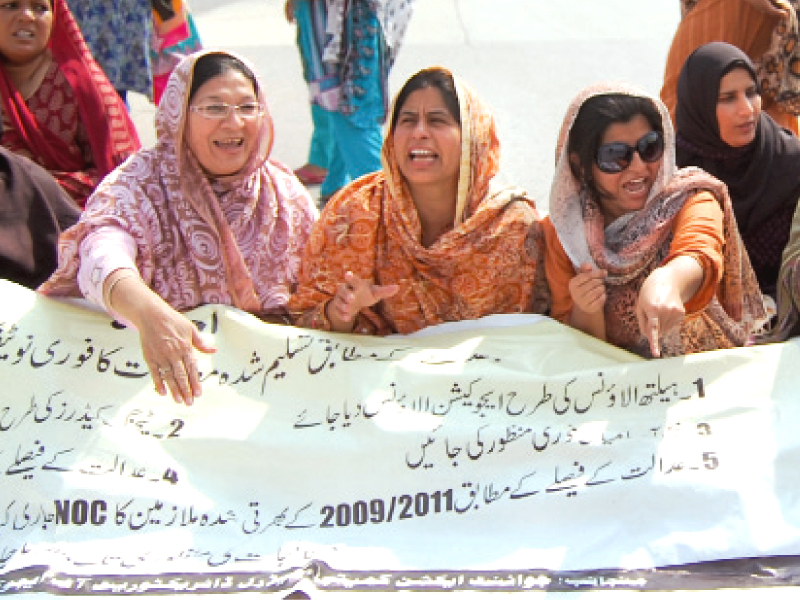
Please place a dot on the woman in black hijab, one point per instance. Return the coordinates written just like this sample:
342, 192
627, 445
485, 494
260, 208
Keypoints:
721, 129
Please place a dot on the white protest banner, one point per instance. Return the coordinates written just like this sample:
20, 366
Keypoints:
493, 457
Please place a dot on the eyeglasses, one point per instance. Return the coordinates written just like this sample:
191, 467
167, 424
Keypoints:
617, 156
221, 110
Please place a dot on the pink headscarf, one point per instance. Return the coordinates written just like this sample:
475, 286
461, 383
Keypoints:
232, 240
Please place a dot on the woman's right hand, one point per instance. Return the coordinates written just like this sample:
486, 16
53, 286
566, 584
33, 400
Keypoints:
588, 292
168, 341
352, 296
588, 289
168, 338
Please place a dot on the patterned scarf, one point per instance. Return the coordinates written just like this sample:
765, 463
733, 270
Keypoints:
490, 262
631, 247
233, 240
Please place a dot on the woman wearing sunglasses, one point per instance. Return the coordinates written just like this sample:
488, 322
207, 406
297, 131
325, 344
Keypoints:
637, 253
204, 217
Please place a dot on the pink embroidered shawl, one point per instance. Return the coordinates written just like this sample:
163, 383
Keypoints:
234, 240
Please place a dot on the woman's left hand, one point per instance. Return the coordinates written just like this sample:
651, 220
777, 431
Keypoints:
659, 308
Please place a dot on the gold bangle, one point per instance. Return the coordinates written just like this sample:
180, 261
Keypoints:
127, 275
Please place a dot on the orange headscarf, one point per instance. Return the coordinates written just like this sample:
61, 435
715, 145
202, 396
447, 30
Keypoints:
490, 262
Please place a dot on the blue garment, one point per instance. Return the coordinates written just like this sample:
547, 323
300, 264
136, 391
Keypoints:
311, 19
322, 144
364, 70
357, 152
118, 34
353, 90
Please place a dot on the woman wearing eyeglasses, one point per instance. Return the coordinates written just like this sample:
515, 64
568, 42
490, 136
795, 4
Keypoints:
637, 253
203, 217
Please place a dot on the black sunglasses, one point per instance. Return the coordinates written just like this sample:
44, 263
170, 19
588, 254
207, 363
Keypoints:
617, 156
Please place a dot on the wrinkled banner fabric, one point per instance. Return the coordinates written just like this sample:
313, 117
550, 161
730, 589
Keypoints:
514, 454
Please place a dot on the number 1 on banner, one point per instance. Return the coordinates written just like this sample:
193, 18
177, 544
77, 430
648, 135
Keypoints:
701, 391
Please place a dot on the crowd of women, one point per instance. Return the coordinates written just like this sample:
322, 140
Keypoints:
661, 240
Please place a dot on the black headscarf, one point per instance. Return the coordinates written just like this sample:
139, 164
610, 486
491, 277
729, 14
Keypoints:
34, 210
763, 177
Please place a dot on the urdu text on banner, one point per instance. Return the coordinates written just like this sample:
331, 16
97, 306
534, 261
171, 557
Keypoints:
510, 444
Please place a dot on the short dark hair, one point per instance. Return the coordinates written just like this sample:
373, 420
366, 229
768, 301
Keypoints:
435, 77
594, 117
214, 64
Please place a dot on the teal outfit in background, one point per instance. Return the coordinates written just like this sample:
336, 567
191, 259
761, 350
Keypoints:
321, 151
310, 18
346, 62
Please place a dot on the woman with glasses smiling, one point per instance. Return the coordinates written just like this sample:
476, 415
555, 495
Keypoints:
637, 253
203, 217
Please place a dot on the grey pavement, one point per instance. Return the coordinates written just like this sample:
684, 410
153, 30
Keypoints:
526, 58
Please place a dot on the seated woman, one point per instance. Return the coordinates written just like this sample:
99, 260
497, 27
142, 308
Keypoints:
747, 24
429, 238
638, 254
59, 109
204, 217
33, 212
721, 129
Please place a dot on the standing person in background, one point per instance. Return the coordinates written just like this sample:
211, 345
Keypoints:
174, 36
118, 34
137, 42
59, 109
311, 36
348, 48
746, 24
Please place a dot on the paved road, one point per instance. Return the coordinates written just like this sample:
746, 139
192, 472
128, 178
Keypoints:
526, 58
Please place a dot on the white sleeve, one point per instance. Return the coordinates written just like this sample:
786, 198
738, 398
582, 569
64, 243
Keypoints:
102, 252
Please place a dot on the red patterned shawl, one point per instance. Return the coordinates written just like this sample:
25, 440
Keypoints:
111, 133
